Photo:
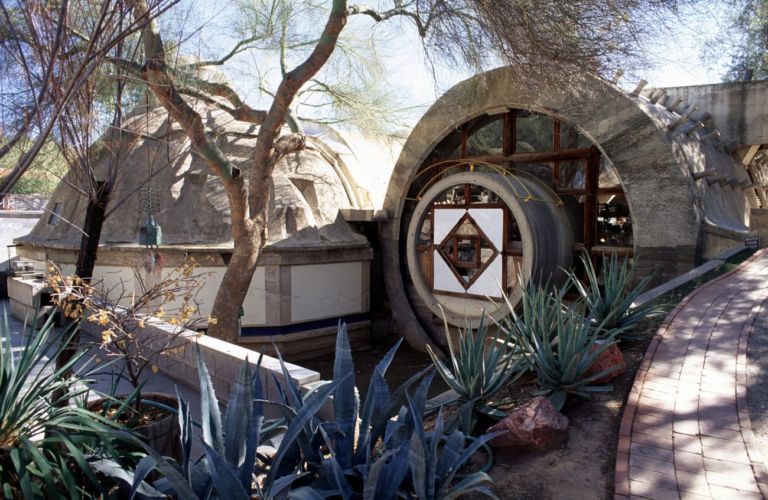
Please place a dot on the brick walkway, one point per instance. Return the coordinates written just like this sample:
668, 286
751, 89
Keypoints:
686, 431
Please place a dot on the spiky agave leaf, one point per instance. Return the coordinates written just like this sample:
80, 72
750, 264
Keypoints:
560, 345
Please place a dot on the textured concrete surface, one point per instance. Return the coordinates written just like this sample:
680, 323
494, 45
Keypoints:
655, 151
189, 201
737, 109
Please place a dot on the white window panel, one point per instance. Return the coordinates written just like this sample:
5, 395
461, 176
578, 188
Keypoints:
491, 221
489, 282
445, 220
445, 279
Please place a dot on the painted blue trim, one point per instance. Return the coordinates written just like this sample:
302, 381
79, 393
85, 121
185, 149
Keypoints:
274, 331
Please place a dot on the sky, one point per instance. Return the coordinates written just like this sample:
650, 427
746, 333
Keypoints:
674, 60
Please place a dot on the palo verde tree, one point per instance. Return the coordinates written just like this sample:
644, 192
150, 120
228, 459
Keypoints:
471, 32
549, 38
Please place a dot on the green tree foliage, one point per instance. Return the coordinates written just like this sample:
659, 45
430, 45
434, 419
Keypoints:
45, 173
744, 38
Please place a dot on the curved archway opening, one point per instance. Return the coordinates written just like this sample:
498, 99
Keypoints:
451, 266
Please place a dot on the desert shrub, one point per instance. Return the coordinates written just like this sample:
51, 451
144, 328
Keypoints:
481, 364
559, 344
611, 305
46, 447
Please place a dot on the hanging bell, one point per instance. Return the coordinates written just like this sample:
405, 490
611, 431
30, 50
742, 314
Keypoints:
150, 234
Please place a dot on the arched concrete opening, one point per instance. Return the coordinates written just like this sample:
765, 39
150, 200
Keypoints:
545, 237
658, 186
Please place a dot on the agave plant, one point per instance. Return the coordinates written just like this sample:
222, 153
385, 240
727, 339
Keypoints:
229, 467
480, 366
411, 462
355, 431
46, 445
315, 459
560, 344
611, 306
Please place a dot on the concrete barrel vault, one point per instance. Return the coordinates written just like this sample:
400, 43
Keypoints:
657, 181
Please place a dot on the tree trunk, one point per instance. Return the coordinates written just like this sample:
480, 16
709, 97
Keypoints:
234, 285
95, 215
86, 258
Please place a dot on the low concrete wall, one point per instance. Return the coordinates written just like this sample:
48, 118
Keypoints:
24, 295
691, 275
222, 359
13, 224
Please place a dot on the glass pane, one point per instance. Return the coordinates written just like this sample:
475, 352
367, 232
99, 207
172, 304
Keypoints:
609, 177
424, 236
467, 251
487, 140
570, 138
614, 223
55, 214
572, 174
541, 170
479, 194
454, 195
533, 133
467, 229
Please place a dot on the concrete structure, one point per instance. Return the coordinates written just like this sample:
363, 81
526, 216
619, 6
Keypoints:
314, 271
13, 224
682, 191
500, 184
736, 109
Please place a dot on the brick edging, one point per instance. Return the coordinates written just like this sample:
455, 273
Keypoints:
621, 475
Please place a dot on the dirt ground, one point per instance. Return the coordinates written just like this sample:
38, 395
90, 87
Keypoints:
757, 378
584, 467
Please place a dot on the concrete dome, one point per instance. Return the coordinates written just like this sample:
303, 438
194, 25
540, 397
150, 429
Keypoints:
189, 202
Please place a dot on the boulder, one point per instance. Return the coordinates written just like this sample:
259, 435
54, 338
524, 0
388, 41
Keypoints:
536, 425
608, 358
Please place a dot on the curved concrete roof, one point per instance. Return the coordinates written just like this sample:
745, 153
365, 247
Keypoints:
655, 164
191, 205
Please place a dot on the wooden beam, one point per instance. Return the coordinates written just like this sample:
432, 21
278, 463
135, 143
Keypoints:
750, 154
565, 154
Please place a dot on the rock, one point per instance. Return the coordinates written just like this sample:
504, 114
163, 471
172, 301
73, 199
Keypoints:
537, 425
608, 358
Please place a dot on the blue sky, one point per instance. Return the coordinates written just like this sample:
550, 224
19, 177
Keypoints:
673, 60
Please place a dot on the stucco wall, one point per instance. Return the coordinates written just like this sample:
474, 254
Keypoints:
656, 184
327, 290
737, 109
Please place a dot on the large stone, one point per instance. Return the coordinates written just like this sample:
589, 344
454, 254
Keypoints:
537, 425
611, 357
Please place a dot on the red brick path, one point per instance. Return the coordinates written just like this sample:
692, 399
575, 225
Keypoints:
685, 432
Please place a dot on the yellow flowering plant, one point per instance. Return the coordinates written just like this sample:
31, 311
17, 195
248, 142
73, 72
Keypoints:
121, 315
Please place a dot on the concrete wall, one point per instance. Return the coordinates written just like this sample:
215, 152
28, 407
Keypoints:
222, 359
295, 298
327, 290
13, 224
629, 131
738, 109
